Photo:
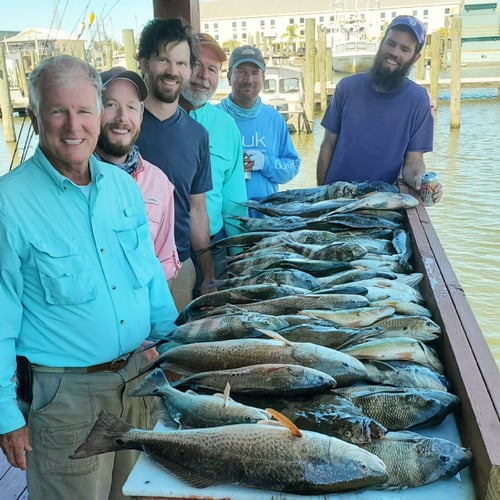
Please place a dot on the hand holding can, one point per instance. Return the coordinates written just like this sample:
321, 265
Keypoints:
429, 184
247, 165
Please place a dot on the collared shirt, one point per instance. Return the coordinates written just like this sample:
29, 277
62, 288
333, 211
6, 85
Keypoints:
158, 194
79, 282
228, 178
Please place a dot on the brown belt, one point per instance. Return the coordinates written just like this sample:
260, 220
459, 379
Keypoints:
110, 366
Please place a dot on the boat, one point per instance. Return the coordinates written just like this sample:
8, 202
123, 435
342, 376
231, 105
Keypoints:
353, 56
470, 369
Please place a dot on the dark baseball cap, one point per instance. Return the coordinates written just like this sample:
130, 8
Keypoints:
416, 26
249, 54
121, 73
205, 40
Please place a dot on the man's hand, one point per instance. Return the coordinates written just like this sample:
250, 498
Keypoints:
14, 444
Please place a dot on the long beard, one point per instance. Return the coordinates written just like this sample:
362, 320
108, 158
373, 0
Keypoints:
113, 149
385, 79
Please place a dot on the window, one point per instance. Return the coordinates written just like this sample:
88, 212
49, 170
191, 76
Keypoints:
272, 23
426, 12
321, 19
289, 85
235, 36
414, 13
291, 21
243, 24
216, 26
262, 23
301, 20
394, 14
382, 15
234, 25
206, 27
244, 36
447, 11
269, 86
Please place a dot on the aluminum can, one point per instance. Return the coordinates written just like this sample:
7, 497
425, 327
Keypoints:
429, 183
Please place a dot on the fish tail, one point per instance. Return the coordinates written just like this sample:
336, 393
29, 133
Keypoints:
150, 385
104, 436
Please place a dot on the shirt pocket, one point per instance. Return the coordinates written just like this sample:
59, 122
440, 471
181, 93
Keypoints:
64, 275
136, 245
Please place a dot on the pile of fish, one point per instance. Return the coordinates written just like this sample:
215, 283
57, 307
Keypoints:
320, 325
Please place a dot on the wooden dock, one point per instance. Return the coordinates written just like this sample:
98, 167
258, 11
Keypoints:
12, 481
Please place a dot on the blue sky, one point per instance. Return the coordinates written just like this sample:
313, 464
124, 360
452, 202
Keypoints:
114, 15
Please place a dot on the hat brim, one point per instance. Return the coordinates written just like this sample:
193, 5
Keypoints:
259, 64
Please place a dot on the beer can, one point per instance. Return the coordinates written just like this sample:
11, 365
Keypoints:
429, 183
247, 159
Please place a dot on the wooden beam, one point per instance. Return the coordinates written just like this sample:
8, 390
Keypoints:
187, 9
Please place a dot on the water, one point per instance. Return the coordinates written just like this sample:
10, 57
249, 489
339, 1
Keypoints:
466, 221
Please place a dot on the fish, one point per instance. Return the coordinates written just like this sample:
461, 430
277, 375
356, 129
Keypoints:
227, 354
355, 221
299, 208
314, 194
328, 413
402, 244
380, 200
289, 223
404, 308
229, 326
242, 239
337, 250
356, 318
400, 408
396, 349
418, 327
188, 409
239, 295
273, 378
405, 374
264, 456
381, 289
351, 275
294, 303
290, 277
414, 460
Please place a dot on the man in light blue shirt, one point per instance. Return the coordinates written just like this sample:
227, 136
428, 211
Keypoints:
81, 289
228, 194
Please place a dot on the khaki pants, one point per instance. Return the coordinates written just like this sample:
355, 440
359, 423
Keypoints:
183, 284
64, 409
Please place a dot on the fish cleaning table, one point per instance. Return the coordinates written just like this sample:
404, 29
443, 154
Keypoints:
149, 480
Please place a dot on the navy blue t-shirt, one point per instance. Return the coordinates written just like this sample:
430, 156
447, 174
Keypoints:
179, 146
375, 129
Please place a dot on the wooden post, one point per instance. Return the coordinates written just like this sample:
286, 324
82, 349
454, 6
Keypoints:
329, 67
21, 74
446, 42
456, 59
129, 44
187, 9
434, 85
310, 55
420, 65
322, 67
9, 131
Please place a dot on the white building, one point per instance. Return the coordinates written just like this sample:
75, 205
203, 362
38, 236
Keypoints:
247, 21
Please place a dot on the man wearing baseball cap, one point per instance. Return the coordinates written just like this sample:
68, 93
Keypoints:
123, 106
228, 194
264, 132
379, 124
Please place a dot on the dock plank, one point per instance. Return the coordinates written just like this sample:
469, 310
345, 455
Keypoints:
12, 481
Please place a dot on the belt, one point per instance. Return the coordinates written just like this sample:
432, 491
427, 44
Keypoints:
111, 366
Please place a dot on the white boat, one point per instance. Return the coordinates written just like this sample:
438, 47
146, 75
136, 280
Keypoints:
353, 56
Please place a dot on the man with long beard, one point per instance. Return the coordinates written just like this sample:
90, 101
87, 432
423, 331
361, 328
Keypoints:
379, 124
123, 98
175, 142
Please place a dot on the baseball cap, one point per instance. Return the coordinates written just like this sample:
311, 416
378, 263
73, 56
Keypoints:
204, 39
416, 26
120, 73
246, 53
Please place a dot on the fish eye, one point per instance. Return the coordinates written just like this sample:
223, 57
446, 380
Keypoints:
362, 467
348, 434
444, 458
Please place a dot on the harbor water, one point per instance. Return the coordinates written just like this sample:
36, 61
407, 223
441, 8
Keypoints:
466, 161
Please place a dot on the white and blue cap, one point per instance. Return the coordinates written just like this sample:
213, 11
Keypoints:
416, 26
247, 54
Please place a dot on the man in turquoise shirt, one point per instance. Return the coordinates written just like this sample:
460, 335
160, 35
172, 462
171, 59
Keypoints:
228, 193
81, 290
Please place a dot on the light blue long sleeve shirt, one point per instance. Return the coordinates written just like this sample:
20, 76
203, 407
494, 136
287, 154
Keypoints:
79, 281
267, 133
228, 177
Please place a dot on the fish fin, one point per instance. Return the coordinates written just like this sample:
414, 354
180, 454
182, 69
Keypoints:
189, 476
285, 421
274, 336
227, 391
104, 436
150, 385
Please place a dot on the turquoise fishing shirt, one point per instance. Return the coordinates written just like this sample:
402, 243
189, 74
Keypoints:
79, 281
228, 177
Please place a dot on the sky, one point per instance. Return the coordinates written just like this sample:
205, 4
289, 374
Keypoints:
113, 15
